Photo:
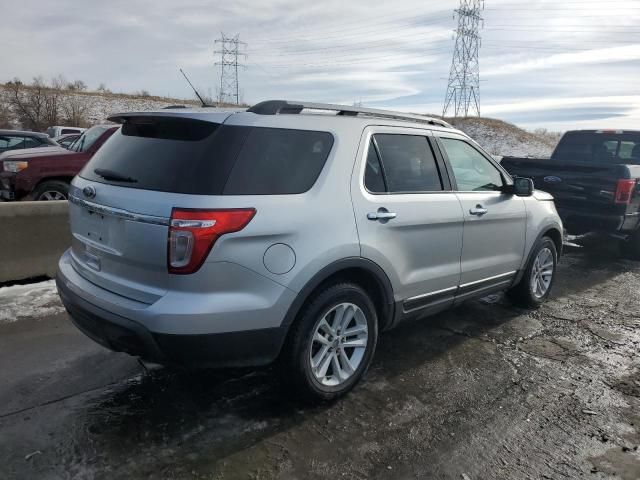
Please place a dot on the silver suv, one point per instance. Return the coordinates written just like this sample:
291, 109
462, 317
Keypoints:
293, 231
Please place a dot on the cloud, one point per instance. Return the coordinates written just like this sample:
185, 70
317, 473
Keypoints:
627, 53
543, 63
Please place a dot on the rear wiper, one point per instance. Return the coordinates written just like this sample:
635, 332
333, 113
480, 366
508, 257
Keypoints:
115, 176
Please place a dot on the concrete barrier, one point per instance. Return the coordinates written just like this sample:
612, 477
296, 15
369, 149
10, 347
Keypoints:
33, 235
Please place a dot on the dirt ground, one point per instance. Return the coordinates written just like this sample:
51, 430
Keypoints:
486, 391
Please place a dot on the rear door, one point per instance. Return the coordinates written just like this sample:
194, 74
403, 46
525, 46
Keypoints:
409, 221
494, 222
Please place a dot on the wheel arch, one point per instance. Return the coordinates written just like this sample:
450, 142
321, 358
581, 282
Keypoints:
42, 181
554, 233
361, 271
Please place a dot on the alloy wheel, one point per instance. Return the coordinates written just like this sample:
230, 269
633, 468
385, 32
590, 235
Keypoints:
52, 195
338, 345
542, 273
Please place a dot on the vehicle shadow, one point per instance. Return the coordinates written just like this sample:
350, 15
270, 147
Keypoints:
224, 412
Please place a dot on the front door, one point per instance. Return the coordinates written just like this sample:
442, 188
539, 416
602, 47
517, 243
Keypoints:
409, 220
494, 221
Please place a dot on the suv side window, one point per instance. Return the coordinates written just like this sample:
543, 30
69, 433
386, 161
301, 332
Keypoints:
30, 142
373, 176
408, 163
472, 171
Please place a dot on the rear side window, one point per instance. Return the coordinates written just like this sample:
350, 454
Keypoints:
373, 176
277, 161
31, 143
203, 158
408, 163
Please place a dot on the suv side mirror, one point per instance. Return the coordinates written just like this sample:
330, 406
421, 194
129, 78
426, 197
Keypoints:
523, 187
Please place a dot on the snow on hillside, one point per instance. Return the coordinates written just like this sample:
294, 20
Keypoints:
502, 138
497, 137
99, 106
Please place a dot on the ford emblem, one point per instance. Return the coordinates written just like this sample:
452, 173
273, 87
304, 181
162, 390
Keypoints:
552, 179
89, 191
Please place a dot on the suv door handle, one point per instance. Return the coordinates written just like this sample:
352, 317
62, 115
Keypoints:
479, 210
381, 214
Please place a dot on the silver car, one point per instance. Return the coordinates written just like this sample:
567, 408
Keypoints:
293, 231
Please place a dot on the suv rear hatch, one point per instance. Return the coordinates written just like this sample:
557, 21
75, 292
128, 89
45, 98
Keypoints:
159, 166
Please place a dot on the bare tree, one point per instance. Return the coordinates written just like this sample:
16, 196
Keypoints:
52, 99
102, 88
74, 109
5, 117
37, 106
77, 86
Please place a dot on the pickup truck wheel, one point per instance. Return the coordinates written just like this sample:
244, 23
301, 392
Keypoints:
331, 344
52, 190
631, 248
537, 280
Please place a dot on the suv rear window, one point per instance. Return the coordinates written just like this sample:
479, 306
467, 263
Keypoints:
196, 157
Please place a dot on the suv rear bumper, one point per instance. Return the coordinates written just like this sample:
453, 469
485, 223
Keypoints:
121, 333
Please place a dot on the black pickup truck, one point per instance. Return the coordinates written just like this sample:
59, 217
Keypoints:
594, 177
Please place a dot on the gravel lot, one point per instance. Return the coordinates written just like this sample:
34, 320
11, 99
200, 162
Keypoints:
487, 391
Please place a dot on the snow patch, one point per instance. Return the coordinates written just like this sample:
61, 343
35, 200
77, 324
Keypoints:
33, 300
503, 139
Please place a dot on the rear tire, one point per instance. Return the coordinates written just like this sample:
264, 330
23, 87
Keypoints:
331, 343
51, 190
538, 277
631, 248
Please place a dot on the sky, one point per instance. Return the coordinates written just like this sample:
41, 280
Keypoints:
543, 63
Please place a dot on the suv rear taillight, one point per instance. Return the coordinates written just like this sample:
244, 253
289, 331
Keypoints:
193, 232
624, 190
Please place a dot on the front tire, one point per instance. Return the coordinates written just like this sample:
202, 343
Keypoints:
539, 275
51, 190
332, 343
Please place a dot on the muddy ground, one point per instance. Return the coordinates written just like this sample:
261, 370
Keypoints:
487, 391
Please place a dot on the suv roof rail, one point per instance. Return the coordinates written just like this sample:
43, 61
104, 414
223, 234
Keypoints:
279, 107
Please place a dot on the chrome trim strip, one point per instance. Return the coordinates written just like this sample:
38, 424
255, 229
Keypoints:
488, 279
119, 212
431, 294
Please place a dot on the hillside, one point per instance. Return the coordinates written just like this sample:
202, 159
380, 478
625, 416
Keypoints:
502, 138
497, 137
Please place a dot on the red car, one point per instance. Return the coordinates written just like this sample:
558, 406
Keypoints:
45, 173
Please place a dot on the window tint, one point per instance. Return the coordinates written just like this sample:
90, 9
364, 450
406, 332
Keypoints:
472, 171
11, 143
373, 177
31, 142
196, 157
69, 130
275, 161
408, 162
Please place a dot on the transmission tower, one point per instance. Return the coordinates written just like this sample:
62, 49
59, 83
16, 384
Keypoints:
463, 90
229, 51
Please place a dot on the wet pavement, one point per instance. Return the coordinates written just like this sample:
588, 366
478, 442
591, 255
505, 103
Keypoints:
486, 391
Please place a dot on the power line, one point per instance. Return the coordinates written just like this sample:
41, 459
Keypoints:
463, 89
229, 52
